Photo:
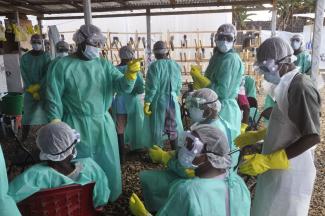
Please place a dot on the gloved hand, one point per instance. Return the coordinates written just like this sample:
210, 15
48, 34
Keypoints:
33, 88
133, 68
158, 155
36, 96
259, 163
190, 173
55, 120
199, 81
146, 109
243, 128
136, 206
250, 138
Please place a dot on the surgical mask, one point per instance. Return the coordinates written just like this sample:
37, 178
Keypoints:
196, 114
37, 47
91, 52
61, 54
273, 78
295, 45
224, 46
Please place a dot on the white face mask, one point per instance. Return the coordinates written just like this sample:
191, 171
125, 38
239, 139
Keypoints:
224, 46
61, 54
185, 156
37, 47
296, 45
91, 52
196, 114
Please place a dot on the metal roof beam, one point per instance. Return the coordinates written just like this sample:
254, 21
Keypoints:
141, 7
153, 14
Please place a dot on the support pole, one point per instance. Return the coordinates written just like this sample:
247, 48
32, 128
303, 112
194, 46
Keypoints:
148, 22
317, 38
18, 23
40, 25
148, 19
274, 15
87, 12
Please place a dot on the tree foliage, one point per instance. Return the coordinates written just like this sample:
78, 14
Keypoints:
286, 9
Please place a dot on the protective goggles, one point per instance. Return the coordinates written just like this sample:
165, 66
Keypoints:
195, 102
36, 41
192, 143
93, 40
224, 37
295, 40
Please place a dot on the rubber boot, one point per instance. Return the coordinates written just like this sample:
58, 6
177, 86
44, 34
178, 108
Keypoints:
120, 138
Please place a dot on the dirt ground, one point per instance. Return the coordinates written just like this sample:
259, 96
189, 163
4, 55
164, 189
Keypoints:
135, 164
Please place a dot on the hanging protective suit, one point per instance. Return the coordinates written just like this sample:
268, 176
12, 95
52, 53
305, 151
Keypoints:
163, 86
155, 184
225, 72
130, 104
41, 176
288, 192
33, 69
210, 196
79, 93
303, 61
7, 203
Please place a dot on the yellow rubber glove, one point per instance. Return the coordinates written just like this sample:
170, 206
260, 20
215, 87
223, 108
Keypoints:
55, 120
33, 88
133, 68
190, 173
259, 163
136, 206
158, 155
199, 81
146, 109
250, 138
243, 128
36, 96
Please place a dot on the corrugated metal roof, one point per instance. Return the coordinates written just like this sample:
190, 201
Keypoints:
39, 7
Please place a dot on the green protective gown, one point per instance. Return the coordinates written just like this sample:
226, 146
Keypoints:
7, 203
134, 110
207, 196
33, 70
268, 102
225, 72
304, 62
79, 93
41, 176
250, 88
163, 85
156, 183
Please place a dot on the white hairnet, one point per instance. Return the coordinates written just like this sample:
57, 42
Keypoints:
160, 47
62, 46
126, 52
300, 37
227, 29
274, 48
90, 34
209, 97
56, 141
216, 145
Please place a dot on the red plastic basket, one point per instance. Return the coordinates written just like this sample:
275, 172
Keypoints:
71, 200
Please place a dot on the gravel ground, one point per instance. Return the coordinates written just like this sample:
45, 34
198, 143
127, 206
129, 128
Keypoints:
135, 164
